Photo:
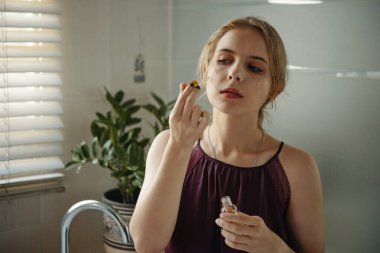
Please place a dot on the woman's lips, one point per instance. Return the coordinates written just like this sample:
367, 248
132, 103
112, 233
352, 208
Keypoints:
231, 93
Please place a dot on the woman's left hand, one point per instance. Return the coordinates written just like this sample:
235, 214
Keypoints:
250, 234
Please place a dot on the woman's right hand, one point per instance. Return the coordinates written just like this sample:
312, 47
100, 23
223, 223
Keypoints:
187, 121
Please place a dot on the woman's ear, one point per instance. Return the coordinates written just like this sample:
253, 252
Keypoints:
204, 71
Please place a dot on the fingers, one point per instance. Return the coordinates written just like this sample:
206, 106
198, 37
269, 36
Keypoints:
235, 228
186, 100
182, 86
199, 118
178, 106
235, 236
237, 245
233, 240
190, 102
185, 107
242, 218
196, 115
204, 120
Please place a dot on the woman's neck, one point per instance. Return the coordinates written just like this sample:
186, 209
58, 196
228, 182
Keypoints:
229, 133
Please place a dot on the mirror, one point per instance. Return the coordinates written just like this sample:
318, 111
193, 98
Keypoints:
330, 106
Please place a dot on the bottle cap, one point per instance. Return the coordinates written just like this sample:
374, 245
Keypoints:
194, 84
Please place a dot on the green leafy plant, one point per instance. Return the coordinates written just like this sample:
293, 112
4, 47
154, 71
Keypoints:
117, 142
160, 113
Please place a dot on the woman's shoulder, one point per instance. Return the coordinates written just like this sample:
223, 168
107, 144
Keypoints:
159, 144
294, 160
300, 167
157, 149
288, 154
162, 137
297, 158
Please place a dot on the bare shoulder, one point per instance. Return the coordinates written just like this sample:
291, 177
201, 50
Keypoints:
157, 148
304, 178
302, 172
293, 159
297, 161
156, 152
162, 137
154, 158
305, 212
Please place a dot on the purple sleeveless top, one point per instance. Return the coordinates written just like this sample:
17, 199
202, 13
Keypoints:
263, 191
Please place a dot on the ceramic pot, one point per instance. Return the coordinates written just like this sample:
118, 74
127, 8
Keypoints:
112, 239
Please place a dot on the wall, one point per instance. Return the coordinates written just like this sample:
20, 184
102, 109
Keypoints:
335, 119
100, 46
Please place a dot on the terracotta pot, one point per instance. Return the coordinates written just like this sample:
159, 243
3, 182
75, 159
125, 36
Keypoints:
112, 239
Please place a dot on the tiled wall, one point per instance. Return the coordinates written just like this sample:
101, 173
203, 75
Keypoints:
21, 224
101, 41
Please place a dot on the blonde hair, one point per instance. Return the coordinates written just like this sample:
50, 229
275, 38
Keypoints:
276, 52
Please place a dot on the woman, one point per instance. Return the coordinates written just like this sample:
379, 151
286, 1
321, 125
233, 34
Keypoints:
275, 186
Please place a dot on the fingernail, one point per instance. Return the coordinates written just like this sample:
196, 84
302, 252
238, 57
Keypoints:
217, 221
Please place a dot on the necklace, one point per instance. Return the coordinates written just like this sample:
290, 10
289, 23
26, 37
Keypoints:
257, 150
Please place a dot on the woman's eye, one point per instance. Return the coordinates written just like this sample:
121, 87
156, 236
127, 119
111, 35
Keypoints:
223, 61
254, 69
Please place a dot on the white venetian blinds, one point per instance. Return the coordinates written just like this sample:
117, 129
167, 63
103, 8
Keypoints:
30, 80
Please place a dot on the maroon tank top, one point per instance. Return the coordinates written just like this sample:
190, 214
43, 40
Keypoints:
263, 191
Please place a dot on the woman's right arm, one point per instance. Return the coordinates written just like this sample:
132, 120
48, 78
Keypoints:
155, 215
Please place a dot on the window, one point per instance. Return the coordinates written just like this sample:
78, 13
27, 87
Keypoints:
30, 80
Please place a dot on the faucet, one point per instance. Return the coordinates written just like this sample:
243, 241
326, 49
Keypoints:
87, 205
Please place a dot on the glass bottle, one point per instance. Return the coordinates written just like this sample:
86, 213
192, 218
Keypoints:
227, 206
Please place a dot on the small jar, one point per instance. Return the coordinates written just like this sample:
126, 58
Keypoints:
227, 206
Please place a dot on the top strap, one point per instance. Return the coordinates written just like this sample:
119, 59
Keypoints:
279, 149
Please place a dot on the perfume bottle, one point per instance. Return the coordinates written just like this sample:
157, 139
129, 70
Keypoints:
227, 206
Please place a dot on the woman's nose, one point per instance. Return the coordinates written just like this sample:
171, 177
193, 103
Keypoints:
236, 75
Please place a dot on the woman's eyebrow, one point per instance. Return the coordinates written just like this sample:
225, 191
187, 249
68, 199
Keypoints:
251, 56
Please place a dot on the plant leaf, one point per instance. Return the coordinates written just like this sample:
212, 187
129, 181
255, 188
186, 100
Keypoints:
85, 150
150, 108
133, 109
96, 148
158, 99
128, 103
70, 165
101, 117
119, 96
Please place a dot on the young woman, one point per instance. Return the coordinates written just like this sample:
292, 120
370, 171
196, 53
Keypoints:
275, 186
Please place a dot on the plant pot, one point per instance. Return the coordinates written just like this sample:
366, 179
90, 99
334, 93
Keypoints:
112, 239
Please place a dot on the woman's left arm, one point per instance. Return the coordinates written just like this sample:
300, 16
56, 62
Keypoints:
305, 213
304, 216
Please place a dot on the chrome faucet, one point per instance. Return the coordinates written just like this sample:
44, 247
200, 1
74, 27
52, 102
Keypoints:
95, 205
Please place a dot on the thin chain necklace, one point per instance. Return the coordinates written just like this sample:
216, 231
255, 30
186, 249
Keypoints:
258, 150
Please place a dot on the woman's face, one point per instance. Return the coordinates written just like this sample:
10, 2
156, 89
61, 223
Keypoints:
238, 78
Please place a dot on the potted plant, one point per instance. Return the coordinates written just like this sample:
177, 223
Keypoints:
118, 145
160, 113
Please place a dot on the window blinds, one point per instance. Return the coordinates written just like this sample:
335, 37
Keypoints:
30, 80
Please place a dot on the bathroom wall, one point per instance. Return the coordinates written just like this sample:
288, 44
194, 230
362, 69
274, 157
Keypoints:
101, 40
335, 118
